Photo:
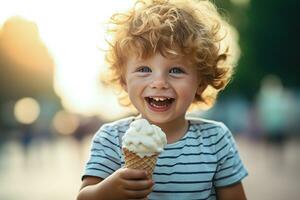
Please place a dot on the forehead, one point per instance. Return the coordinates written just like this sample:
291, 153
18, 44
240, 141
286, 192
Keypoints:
158, 58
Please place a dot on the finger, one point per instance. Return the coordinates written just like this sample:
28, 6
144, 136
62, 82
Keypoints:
138, 184
134, 174
138, 194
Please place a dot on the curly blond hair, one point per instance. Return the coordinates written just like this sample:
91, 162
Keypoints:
188, 28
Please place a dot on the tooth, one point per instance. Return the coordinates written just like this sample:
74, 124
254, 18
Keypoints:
160, 98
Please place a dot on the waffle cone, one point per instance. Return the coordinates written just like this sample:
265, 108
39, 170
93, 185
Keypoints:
134, 161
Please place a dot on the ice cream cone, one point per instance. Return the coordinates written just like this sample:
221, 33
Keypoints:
134, 161
141, 144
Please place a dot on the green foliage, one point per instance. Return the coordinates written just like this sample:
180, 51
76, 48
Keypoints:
269, 41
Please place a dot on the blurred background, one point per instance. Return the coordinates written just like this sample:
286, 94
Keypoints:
52, 102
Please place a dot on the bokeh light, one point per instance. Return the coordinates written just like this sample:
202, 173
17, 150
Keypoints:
26, 110
65, 123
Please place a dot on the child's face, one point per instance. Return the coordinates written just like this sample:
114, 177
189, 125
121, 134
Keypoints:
161, 89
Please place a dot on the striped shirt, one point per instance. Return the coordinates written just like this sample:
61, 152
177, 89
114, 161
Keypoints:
189, 169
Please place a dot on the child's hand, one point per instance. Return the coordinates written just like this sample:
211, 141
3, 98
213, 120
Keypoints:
128, 183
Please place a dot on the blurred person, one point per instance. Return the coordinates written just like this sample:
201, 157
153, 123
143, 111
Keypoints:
166, 55
254, 130
296, 124
292, 108
273, 112
26, 138
87, 126
237, 110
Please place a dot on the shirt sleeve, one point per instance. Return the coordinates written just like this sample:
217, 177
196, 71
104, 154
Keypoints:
230, 169
105, 153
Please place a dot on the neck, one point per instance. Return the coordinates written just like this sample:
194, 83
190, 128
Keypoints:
174, 130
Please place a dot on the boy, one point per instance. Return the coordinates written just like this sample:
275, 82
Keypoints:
167, 56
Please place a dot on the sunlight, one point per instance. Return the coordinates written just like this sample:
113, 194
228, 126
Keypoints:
74, 31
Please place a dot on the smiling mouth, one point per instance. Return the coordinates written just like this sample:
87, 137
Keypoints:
160, 103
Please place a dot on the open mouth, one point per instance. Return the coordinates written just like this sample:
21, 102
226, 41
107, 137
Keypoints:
159, 103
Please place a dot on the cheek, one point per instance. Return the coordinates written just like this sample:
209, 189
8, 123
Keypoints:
133, 85
189, 90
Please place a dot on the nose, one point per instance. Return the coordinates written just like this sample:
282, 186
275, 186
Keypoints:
159, 82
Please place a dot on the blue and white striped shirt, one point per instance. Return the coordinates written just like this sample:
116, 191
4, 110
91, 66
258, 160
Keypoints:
191, 168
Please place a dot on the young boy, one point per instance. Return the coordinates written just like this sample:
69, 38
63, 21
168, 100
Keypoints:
168, 55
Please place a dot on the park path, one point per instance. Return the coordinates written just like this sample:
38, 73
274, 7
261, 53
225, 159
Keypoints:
52, 170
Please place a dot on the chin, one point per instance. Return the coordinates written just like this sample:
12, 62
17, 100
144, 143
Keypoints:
156, 119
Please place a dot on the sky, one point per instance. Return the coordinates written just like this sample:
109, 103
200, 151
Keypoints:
74, 32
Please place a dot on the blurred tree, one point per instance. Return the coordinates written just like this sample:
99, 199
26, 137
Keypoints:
269, 42
26, 67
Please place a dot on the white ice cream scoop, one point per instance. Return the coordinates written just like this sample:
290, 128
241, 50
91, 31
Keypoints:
144, 139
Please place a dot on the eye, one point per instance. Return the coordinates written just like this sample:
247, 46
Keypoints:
144, 69
176, 70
